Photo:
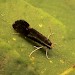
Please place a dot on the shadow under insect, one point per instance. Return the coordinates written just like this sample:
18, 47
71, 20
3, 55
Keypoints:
32, 36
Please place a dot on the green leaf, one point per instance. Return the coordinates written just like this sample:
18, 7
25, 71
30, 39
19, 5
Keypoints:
15, 50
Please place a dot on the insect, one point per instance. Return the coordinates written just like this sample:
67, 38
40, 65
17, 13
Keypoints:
23, 28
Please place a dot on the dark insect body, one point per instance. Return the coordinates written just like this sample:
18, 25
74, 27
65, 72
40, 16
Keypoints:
23, 28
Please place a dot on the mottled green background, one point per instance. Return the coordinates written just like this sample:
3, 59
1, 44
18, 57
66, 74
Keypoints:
46, 16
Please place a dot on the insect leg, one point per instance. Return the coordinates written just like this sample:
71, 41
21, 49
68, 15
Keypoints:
37, 48
15, 33
47, 54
